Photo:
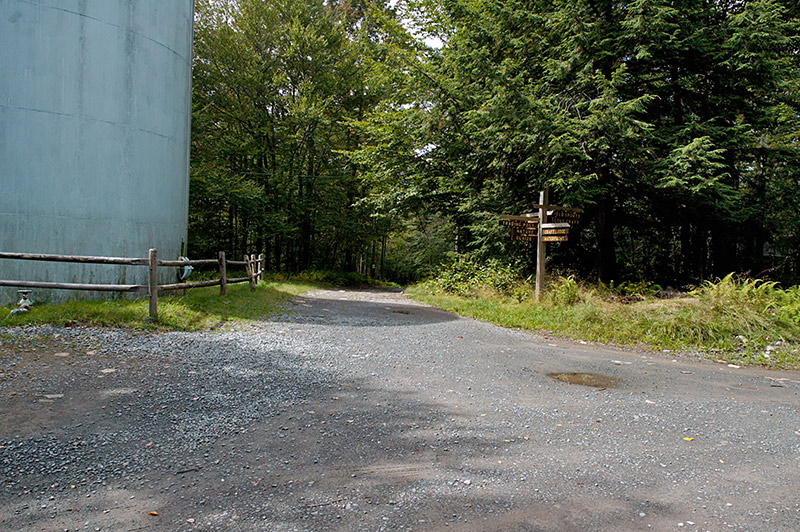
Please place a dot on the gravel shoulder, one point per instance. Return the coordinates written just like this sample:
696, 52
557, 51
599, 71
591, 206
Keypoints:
364, 410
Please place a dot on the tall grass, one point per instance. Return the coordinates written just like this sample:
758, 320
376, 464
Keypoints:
744, 321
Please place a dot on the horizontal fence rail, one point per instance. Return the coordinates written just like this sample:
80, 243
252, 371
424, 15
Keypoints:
74, 258
202, 262
254, 267
77, 286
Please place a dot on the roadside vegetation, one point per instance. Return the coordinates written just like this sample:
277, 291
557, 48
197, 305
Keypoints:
197, 309
735, 320
739, 321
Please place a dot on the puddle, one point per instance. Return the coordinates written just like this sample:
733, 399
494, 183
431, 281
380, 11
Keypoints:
586, 379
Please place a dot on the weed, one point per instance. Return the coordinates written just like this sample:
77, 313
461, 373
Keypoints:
564, 292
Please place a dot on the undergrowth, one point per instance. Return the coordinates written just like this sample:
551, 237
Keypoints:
742, 321
330, 277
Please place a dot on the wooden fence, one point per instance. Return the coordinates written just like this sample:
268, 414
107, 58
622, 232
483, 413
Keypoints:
254, 267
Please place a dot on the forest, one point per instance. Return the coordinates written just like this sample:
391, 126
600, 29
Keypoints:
387, 138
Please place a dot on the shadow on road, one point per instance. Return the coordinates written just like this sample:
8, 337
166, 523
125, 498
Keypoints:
361, 313
340, 455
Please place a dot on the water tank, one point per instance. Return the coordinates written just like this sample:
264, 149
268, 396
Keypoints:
95, 100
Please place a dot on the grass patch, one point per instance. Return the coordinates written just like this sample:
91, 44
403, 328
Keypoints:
199, 308
744, 322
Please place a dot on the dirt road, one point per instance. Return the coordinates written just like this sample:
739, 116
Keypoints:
362, 410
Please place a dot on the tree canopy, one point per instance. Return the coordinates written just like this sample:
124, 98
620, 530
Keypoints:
324, 132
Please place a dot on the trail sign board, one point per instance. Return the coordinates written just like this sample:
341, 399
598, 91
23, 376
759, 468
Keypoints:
524, 236
510, 220
555, 228
555, 232
523, 228
521, 217
564, 215
560, 225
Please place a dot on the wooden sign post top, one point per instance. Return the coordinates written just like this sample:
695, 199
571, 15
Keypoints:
510, 219
557, 208
556, 225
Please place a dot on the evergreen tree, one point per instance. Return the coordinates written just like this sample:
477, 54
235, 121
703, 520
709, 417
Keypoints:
674, 124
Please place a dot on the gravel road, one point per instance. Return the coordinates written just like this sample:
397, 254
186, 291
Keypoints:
366, 411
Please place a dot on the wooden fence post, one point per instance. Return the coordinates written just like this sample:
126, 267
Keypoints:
248, 265
152, 285
223, 274
262, 265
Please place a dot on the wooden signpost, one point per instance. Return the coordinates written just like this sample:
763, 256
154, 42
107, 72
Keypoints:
550, 224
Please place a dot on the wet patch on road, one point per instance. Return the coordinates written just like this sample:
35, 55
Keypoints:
586, 379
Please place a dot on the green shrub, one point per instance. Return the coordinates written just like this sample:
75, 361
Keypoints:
456, 277
500, 277
564, 292
465, 277
753, 305
638, 288
788, 307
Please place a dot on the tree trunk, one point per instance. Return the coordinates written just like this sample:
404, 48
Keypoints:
348, 258
231, 230
701, 249
372, 261
305, 242
606, 252
267, 253
276, 250
723, 251
245, 229
686, 252
383, 256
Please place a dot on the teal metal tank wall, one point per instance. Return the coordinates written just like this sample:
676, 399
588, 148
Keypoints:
94, 135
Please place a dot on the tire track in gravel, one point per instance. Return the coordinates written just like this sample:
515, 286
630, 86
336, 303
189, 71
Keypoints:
363, 410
